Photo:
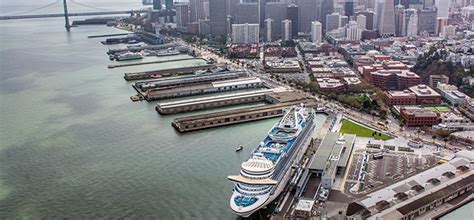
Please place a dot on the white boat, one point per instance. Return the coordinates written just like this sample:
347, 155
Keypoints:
129, 56
264, 175
239, 148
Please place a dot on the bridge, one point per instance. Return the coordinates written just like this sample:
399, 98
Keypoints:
66, 14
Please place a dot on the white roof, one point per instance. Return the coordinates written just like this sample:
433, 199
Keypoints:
305, 205
257, 165
467, 154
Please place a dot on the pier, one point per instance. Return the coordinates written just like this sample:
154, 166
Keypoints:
167, 72
138, 49
212, 102
205, 88
230, 117
151, 62
108, 35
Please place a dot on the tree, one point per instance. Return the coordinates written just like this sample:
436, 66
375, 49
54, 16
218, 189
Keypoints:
434, 137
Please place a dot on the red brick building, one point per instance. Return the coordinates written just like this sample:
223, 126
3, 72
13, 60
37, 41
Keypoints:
404, 97
417, 117
394, 79
425, 95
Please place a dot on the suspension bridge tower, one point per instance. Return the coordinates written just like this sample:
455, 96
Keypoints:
66, 16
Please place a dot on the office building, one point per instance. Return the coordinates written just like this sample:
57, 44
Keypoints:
327, 8
410, 23
427, 21
418, 117
316, 32
245, 33
343, 20
308, 11
276, 10
435, 79
452, 94
196, 10
218, 17
399, 14
205, 4
369, 18
169, 4
286, 29
404, 97
394, 79
425, 95
353, 32
362, 22
182, 15
269, 23
448, 31
349, 8
440, 24
292, 15
247, 11
332, 22
157, 5
386, 24
442, 7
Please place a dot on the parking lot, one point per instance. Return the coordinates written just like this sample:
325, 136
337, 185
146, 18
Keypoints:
393, 167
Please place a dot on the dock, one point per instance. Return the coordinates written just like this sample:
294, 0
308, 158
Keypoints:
230, 117
167, 72
108, 35
212, 102
188, 80
138, 49
152, 62
205, 88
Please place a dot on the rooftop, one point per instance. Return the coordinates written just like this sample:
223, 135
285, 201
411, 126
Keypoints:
329, 82
404, 93
423, 90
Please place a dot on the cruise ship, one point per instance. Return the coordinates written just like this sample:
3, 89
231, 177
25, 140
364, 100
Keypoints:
264, 175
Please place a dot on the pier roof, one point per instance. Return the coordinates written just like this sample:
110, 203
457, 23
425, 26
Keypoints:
322, 154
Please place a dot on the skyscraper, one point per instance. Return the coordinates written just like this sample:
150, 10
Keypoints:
353, 32
182, 14
343, 20
286, 29
399, 11
332, 21
196, 10
427, 20
387, 18
169, 4
349, 8
327, 8
245, 33
316, 32
362, 21
369, 16
308, 11
443, 8
157, 4
410, 23
292, 15
218, 16
269, 29
247, 12
276, 10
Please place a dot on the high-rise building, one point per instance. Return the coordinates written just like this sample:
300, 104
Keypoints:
308, 11
316, 32
245, 33
292, 15
205, 6
369, 18
427, 20
387, 19
343, 20
428, 3
442, 6
353, 32
182, 14
399, 12
248, 12
448, 31
276, 10
349, 8
332, 21
440, 24
269, 23
169, 4
362, 22
157, 4
218, 17
410, 23
286, 29
196, 10
327, 8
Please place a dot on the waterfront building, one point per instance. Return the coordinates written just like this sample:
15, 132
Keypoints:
196, 10
421, 193
425, 95
269, 23
435, 79
316, 32
245, 33
218, 17
292, 15
362, 21
182, 15
332, 22
386, 24
286, 29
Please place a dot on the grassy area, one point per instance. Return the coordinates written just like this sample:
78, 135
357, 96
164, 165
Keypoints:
349, 127
440, 109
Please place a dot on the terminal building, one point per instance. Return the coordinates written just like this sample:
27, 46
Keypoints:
417, 195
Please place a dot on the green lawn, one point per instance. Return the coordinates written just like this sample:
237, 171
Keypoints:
440, 109
349, 127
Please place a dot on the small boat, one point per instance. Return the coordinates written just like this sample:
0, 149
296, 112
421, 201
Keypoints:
239, 148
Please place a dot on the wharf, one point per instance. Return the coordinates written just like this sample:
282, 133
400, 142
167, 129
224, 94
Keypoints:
212, 102
138, 49
188, 80
151, 62
167, 72
230, 117
205, 88
108, 35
